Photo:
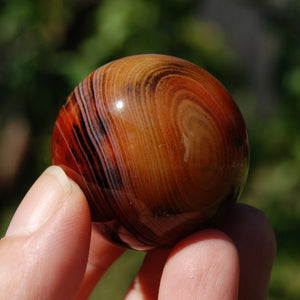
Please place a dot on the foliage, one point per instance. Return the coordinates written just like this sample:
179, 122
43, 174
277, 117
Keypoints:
47, 47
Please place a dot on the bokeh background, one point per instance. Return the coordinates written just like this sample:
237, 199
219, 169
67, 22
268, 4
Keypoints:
251, 46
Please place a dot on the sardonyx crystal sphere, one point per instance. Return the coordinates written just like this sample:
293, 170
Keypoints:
158, 147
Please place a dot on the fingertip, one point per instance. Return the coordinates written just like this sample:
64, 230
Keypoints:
66, 238
60, 177
43, 200
48, 239
204, 265
257, 224
255, 240
252, 233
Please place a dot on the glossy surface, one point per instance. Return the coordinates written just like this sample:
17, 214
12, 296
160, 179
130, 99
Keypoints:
157, 145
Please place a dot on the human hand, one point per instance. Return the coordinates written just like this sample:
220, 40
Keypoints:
51, 251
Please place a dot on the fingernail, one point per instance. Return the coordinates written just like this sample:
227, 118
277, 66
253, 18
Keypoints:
42, 201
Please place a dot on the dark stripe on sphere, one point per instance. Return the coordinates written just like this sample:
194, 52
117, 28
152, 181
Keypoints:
92, 160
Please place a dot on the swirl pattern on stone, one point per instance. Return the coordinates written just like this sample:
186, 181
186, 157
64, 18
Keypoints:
157, 145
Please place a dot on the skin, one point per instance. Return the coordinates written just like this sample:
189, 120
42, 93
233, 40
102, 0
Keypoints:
51, 251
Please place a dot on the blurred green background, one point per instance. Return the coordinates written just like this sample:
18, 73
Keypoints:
252, 47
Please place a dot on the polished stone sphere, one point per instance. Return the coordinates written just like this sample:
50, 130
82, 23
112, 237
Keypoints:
158, 147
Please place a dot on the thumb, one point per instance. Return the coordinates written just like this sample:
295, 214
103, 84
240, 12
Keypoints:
45, 250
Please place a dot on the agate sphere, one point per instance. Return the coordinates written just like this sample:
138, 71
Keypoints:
158, 147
